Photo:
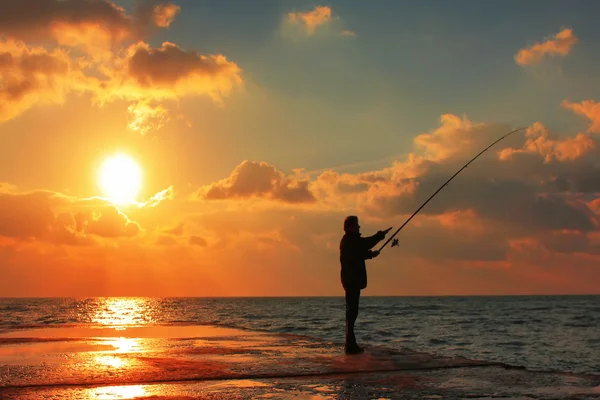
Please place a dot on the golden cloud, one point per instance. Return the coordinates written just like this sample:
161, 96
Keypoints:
164, 14
165, 194
524, 190
55, 218
147, 75
310, 21
559, 44
109, 222
146, 118
589, 109
253, 179
34, 75
109, 68
451, 138
29, 76
540, 142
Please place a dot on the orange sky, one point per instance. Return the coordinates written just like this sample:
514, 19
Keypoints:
245, 183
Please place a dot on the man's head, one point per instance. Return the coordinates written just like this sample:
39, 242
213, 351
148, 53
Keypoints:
351, 224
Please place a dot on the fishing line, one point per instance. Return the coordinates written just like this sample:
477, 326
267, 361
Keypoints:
441, 187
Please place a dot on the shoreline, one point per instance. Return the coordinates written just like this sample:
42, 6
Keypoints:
70, 361
11, 336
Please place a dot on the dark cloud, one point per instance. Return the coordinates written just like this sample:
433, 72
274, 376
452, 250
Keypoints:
197, 241
568, 242
169, 65
518, 203
530, 187
42, 19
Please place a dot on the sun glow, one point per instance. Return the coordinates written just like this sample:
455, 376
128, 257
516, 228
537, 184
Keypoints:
120, 179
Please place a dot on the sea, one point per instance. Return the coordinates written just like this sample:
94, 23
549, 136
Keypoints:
543, 333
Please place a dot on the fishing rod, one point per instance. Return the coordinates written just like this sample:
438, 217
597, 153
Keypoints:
395, 243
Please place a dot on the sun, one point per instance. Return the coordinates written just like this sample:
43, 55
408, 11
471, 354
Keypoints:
120, 179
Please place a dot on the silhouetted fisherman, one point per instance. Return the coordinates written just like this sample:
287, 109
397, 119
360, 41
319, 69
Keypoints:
354, 250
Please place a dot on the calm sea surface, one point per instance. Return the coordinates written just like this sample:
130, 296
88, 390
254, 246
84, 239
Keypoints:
539, 332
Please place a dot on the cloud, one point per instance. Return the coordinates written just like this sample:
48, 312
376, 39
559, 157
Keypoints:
320, 15
527, 185
26, 216
567, 242
177, 230
308, 23
109, 222
170, 72
253, 179
540, 142
455, 137
33, 75
146, 118
101, 52
165, 194
514, 189
558, 45
143, 75
589, 109
54, 218
164, 14
147, 75
82, 22
197, 241
39, 19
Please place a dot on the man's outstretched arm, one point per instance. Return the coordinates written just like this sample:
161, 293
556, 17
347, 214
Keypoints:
369, 242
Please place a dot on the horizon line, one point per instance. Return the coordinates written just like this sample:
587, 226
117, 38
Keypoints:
303, 296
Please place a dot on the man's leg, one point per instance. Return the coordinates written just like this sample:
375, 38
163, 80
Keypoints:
352, 301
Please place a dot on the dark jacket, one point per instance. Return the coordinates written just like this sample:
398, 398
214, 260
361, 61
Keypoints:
354, 250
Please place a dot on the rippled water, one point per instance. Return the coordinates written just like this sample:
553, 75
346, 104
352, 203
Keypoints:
539, 332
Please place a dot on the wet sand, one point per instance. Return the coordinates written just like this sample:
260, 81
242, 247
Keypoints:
208, 362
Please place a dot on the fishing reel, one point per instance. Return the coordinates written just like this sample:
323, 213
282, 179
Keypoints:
394, 242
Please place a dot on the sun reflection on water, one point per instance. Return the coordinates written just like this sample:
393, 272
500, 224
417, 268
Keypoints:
118, 392
118, 357
111, 361
121, 312
126, 345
